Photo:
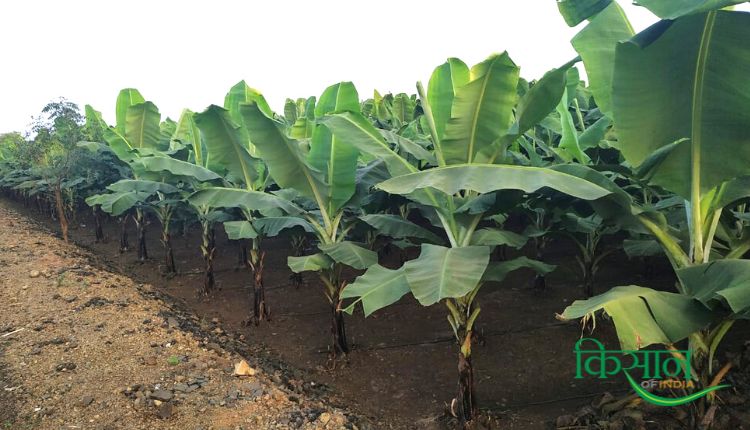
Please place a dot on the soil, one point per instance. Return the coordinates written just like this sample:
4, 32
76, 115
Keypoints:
85, 348
402, 370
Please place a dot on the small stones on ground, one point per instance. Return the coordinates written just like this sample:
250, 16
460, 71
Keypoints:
165, 410
324, 418
144, 340
243, 369
64, 367
212, 346
162, 395
182, 388
252, 389
96, 302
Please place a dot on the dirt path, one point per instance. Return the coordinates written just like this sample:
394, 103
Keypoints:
83, 348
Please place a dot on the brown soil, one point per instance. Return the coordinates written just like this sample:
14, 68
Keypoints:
402, 371
85, 348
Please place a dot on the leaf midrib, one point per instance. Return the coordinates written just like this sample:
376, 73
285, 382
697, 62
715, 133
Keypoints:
475, 119
235, 146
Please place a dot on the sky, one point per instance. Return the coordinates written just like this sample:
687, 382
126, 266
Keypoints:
187, 54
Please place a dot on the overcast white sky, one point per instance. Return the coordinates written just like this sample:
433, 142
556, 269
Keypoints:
188, 53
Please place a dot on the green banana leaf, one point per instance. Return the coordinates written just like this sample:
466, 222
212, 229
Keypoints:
357, 131
399, 228
485, 178
442, 272
350, 254
272, 226
643, 316
284, 158
482, 109
375, 289
237, 230
314, 263
596, 45
226, 148
125, 99
498, 270
576, 11
677, 8
188, 133
218, 197
141, 186
444, 82
331, 154
175, 167
682, 79
118, 203
569, 148
641, 247
142, 126
719, 282
497, 237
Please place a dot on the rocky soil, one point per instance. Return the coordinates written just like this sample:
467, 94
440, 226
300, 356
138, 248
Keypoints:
84, 348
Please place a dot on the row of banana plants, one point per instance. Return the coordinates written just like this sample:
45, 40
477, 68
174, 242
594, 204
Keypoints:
639, 159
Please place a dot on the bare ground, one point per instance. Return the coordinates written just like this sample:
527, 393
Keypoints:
84, 348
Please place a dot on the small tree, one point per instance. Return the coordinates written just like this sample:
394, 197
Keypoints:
57, 131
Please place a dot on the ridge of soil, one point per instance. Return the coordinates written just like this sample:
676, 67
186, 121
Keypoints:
83, 347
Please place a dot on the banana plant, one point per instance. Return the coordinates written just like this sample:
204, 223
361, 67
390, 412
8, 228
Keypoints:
229, 151
473, 115
678, 132
321, 180
128, 194
136, 134
574, 132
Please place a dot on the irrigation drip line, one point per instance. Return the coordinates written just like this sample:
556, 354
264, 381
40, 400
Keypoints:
303, 314
326, 312
452, 339
551, 401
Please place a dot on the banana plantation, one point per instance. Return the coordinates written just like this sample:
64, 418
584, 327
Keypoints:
484, 248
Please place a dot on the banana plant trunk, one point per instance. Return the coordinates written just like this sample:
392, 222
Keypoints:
463, 406
98, 230
331, 280
338, 329
166, 240
588, 277
124, 245
61, 211
465, 399
243, 259
208, 248
540, 281
140, 224
298, 243
256, 262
